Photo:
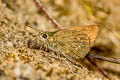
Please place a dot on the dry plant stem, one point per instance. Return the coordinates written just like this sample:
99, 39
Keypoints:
98, 68
47, 14
113, 60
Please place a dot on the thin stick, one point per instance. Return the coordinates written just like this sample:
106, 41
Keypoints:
113, 60
47, 14
97, 67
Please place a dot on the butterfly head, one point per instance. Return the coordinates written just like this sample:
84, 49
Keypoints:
45, 36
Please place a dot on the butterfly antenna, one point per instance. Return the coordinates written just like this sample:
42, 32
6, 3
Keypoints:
33, 28
39, 4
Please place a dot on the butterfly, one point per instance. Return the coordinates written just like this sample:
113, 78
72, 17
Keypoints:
74, 43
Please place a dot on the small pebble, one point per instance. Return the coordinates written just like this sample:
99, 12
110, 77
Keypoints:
10, 43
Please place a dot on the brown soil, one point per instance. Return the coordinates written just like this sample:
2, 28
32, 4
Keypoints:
18, 62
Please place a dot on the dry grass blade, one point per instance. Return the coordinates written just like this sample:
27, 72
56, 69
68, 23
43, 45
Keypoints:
47, 14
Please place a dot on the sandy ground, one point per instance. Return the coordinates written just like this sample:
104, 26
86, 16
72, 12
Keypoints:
18, 62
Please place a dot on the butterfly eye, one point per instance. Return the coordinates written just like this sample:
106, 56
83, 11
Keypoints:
44, 35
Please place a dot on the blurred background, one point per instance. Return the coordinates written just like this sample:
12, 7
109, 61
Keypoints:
15, 15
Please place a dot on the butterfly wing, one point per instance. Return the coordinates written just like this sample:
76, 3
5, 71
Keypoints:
71, 43
92, 31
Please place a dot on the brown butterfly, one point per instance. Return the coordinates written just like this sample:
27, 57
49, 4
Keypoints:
74, 43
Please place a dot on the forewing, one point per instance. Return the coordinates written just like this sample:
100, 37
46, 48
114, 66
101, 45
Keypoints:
92, 31
72, 43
